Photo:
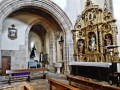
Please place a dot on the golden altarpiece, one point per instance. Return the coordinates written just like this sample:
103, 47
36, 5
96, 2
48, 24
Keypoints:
95, 35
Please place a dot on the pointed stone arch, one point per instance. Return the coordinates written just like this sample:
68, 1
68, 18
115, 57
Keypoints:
9, 6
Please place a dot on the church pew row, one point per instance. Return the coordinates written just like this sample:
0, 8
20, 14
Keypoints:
24, 73
57, 85
87, 84
27, 86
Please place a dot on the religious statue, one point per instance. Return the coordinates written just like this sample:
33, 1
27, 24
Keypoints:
80, 46
108, 40
45, 60
92, 43
32, 55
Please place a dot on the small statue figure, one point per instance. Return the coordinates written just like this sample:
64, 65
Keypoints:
108, 40
80, 47
92, 43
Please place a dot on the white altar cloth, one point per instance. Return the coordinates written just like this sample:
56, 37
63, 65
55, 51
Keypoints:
95, 64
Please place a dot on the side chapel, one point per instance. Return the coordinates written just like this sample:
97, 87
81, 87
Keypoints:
95, 35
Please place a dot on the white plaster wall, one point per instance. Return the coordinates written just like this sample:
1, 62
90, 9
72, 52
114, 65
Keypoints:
8, 44
116, 6
1, 0
118, 67
74, 7
71, 7
21, 22
34, 39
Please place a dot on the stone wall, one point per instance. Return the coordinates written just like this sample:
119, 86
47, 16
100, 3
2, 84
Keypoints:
18, 57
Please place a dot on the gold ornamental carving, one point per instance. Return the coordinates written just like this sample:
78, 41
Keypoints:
94, 31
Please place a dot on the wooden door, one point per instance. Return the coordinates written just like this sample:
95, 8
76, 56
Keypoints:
6, 60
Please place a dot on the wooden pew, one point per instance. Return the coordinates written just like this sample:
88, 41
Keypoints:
59, 85
118, 76
86, 84
80, 82
24, 73
26, 86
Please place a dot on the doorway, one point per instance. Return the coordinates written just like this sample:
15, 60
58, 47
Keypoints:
6, 62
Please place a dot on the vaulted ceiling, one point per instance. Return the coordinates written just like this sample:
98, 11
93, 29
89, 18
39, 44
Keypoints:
38, 29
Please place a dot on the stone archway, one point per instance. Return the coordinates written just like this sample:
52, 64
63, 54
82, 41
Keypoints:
9, 6
47, 27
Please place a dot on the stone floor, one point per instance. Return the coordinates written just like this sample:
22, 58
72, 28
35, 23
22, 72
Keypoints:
37, 83
40, 84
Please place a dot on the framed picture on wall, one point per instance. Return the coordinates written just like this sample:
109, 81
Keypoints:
12, 32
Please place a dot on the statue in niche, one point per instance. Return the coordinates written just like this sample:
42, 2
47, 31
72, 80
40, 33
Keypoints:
92, 41
80, 46
45, 60
32, 55
108, 40
90, 16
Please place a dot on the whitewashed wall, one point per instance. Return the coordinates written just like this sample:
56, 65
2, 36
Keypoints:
34, 39
74, 7
116, 6
21, 22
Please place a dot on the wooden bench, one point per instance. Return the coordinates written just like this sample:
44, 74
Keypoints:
86, 84
24, 73
57, 85
26, 86
118, 77
79, 82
